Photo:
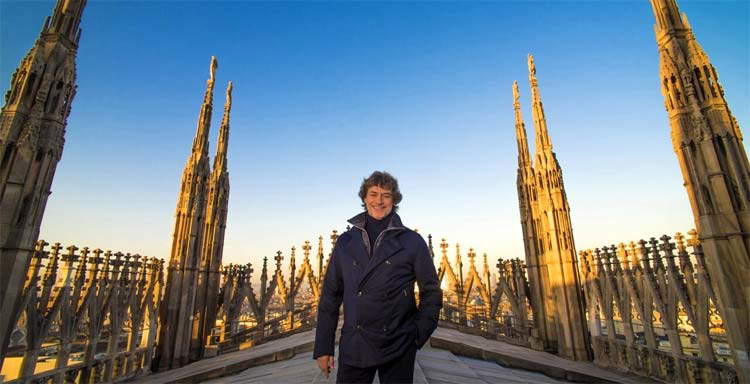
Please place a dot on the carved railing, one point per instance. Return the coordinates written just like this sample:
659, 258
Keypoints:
652, 311
250, 315
471, 306
87, 316
281, 307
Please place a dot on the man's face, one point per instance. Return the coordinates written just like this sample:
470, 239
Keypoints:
379, 202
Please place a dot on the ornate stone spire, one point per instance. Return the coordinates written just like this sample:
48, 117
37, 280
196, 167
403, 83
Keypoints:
523, 144
716, 173
668, 18
548, 240
65, 20
220, 161
528, 206
542, 142
32, 135
179, 332
200, 143
217, 206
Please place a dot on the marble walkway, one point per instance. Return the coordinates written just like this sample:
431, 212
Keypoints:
450, 357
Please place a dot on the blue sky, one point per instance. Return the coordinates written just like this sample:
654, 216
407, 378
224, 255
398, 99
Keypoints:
327, 92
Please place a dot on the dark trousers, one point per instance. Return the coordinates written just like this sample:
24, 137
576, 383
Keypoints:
399, 371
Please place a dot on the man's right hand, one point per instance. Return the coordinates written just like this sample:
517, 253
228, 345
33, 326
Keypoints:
325, 363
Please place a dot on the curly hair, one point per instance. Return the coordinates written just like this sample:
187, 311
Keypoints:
383, 180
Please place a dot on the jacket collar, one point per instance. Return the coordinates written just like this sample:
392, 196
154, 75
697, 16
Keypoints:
390, 245
358, 221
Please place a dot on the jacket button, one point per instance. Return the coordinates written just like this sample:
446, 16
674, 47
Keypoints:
359, 293
388, 262
359, 326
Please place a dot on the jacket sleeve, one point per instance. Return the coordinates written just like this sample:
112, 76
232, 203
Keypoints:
328, 307
430, 294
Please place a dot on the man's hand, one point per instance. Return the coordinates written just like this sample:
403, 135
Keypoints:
325, 363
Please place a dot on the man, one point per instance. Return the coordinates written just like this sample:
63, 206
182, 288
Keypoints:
372, 270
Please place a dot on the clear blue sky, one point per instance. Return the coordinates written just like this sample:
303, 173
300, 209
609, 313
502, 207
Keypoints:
327, 92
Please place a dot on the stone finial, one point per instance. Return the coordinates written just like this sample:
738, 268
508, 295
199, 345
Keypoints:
335, 237
278, 259
126, 268
693, 237
598, 258
655, 256
633, 252
228, 99
668, 248
644, 251
532, 66
610, 259
622, 254
680, 241
306, 249
117, 260
429, 245
50, 272
212, 69
264, 271
444, 247
69, 258
82, 263
98, 256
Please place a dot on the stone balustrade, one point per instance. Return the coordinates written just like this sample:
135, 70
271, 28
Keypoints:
652, 311
88, 316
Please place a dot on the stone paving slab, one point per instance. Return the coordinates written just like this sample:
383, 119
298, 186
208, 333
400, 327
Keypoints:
492, 372
289, 360
433, 366
235, 362
443, 366
514, 356
300, 369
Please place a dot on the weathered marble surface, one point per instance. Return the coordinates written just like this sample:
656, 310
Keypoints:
453, 357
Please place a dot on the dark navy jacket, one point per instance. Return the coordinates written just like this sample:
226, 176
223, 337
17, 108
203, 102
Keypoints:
381, 319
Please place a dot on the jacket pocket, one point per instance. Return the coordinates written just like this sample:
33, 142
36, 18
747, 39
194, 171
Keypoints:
403, 309
346, 336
